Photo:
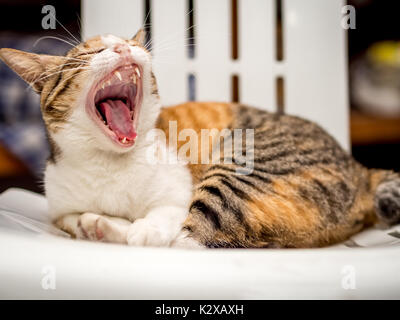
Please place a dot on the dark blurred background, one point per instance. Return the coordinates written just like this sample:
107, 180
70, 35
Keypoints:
374, 74
23, 147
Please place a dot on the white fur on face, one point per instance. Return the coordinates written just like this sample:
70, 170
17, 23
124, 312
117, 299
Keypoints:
110, 40
80, 131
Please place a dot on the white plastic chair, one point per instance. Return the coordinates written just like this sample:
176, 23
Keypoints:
314, 62
314, 73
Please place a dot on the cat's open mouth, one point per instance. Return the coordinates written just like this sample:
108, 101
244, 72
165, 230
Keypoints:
114, 104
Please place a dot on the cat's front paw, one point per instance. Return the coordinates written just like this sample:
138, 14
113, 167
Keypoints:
88, 226
148, 232
69, 224
96, 227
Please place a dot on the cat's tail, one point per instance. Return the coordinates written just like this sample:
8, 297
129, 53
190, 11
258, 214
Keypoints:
387, 195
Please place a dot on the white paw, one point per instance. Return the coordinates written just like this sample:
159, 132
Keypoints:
87, 227
69, 224
100, 228
149, 232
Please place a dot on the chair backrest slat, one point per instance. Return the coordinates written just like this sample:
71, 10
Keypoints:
256, 57
316, 64
312, 73
119, 17
212, 55
168, 44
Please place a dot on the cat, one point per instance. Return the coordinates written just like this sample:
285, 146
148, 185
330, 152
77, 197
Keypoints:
98, 104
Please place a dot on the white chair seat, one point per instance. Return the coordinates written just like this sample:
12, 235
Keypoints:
85, 269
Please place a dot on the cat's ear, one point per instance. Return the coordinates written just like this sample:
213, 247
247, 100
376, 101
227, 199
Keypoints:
140, 37
30, 67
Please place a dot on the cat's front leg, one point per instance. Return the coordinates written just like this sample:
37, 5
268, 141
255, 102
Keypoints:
159, 228
95, 227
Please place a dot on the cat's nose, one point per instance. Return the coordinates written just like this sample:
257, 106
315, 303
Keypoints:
122, 49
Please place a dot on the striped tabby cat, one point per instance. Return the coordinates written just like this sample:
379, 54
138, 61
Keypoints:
100, 101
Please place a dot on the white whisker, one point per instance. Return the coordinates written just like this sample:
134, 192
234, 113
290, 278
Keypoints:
61, 66
75, 59
57, 72
77, 41
52, 37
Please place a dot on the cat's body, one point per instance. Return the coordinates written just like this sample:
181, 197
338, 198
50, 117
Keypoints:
303, 190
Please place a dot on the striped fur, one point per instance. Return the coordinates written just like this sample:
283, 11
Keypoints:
305, 191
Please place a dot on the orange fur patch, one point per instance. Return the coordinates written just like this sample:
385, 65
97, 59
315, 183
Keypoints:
196, 116
284, 215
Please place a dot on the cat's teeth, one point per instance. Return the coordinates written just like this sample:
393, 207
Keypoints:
124, 140
137, 71
118, 75
103, 85
134, 78
108, 82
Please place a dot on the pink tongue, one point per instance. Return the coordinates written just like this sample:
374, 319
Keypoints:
118, 118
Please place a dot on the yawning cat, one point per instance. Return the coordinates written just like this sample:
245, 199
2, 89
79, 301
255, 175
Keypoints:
99, 103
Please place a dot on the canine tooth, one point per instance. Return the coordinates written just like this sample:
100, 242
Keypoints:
118, 75
124, 140
103, 85
137, 71
134, 78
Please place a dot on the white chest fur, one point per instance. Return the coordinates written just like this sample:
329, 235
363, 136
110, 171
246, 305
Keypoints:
125, 186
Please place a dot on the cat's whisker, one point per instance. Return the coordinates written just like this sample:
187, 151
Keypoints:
163, 63
70, 77
173, 44
77, 41
173, 41
59, 67
168, 47
145, 20
172, 36
75, 74
149, 43
55, 38
79, 23
54, 68
66, 37
75, 59
54, 73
